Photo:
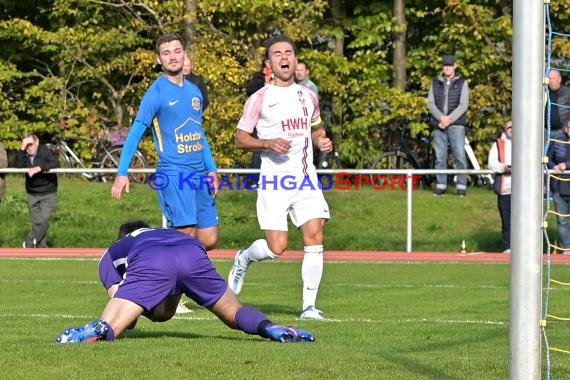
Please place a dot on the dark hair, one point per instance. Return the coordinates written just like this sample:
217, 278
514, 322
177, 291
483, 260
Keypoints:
275, 39
256, 83
130, 226
167, 37
301, 62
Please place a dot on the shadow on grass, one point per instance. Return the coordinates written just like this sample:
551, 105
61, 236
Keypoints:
264, 308
160, 334
146, 334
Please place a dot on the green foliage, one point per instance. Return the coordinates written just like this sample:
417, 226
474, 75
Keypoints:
91, 60
559, 18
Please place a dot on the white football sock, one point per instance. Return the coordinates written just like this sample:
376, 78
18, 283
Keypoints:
258, 251
311, 273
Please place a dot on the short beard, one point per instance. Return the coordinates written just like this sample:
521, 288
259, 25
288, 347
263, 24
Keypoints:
172, 73
286, 79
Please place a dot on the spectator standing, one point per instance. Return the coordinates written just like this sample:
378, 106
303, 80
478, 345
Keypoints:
559, 95
448, 100
188, 73
302, 76
41, 186
287, 118
132, 114
499, 161
173, 108
559, 161
3, 164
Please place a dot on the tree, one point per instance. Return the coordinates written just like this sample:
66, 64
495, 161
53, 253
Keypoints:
400, 31
373, 61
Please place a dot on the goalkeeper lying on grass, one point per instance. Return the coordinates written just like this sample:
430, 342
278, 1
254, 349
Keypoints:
147, 271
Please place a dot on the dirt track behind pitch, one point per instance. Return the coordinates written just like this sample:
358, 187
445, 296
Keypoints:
365, 256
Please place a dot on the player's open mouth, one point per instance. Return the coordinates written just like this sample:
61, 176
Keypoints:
284, 65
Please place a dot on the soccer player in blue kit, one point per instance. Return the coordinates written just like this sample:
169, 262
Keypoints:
185, 178
145, 273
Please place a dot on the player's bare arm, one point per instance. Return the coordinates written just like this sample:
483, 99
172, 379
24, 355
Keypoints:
215, 181
248, 143
320, 139
121, 182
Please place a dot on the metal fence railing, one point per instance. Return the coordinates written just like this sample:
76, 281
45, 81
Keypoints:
355, 174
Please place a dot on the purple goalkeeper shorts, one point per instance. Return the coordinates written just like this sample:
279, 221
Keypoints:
157, 272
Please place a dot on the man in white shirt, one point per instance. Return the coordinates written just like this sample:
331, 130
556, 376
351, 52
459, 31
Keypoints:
287, 118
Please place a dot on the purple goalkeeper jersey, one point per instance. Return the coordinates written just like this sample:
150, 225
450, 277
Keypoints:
151, 264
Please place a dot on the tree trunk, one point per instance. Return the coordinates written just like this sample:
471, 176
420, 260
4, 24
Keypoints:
399, 62
338, 11
189, 22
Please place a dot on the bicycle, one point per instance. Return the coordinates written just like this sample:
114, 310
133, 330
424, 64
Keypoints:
327, 160
399, 152
107, 155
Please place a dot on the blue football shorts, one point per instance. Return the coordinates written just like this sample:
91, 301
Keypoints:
188, 202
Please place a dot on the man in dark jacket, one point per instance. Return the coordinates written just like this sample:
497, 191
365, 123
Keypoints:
559, 161
448, 100
41, 187
3, 164
559, 101
196, 79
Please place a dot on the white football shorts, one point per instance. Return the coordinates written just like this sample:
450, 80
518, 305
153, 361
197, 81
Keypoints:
293, 197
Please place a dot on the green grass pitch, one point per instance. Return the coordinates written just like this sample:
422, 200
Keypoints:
384, 321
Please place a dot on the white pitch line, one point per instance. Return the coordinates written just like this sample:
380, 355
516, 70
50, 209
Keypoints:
281, 262
379, 321
75, 258
327, 320
47, 316
428, 286
39, 281
355, 285
265, 285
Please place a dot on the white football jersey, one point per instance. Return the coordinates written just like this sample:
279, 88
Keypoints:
289, 113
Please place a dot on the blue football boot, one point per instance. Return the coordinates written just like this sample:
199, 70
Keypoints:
91, 332
288, 334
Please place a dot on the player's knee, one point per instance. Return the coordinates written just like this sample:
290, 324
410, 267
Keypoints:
277, 248
210, 244
132, 325
313, 232
159, 317
210, 239
313, 236
164, 311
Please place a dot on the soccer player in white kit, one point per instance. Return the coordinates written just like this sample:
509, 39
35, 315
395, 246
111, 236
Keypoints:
287, 118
